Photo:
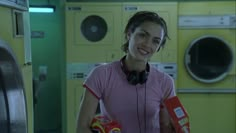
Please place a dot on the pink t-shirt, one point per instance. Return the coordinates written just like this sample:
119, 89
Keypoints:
127, 103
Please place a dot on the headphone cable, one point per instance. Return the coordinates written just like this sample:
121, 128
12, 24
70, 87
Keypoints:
138, 111
145, 126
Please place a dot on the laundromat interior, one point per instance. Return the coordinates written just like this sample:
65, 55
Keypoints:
45, 57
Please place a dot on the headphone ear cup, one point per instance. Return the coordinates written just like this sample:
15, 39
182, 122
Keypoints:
143, 77
133, 77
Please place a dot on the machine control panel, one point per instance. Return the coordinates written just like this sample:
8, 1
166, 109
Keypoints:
77, 71
169, 68
207, 21
80, 70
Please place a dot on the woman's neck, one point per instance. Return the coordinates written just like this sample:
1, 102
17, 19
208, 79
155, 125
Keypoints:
134, 64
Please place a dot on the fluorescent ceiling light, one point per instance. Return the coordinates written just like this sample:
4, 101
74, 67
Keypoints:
42, 9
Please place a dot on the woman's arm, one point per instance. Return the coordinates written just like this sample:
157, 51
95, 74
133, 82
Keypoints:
166, 122
87, 111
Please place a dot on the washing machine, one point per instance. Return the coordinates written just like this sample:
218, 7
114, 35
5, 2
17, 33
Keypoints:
206, 64
12, 97
93, 36
16, 112
207, 44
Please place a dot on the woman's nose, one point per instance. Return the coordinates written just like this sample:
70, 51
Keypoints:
148, 42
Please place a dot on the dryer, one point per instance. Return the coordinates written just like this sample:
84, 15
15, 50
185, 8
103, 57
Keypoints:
206, 64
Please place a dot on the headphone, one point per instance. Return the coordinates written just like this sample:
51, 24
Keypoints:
135, 77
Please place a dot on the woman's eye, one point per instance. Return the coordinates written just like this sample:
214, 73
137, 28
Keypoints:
156, 42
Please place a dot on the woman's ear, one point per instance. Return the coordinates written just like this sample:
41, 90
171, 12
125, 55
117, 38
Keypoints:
128, 35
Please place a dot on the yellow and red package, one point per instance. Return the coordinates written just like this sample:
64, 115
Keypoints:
101, 124
178, 115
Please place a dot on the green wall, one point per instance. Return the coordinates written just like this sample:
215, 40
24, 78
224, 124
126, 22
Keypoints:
49, 52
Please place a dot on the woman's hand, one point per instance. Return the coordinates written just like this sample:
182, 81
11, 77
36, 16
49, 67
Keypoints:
166, 125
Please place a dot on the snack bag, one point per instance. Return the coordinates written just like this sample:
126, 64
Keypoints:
178, 115
101, 124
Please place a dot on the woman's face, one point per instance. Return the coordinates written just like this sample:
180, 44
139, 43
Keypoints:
145, 40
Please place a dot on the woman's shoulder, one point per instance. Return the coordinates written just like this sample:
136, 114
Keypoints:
159, 74
106, 66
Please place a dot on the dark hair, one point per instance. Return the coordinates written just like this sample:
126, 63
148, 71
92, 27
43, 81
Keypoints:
140, 17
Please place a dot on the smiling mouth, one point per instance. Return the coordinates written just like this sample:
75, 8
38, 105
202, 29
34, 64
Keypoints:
142, 51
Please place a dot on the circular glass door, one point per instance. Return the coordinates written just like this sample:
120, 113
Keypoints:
208, 59
13, 118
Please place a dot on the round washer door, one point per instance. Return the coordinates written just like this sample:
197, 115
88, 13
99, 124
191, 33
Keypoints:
13, 115
94, 28
3, 110
208, 59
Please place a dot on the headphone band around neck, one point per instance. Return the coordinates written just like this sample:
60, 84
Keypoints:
125, 68
135, 77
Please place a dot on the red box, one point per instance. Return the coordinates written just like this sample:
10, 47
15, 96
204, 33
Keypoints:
178, 114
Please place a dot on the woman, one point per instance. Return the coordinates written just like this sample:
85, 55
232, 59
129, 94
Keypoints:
129, 90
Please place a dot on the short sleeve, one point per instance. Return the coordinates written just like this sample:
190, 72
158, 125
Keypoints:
95, 81
169, 89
